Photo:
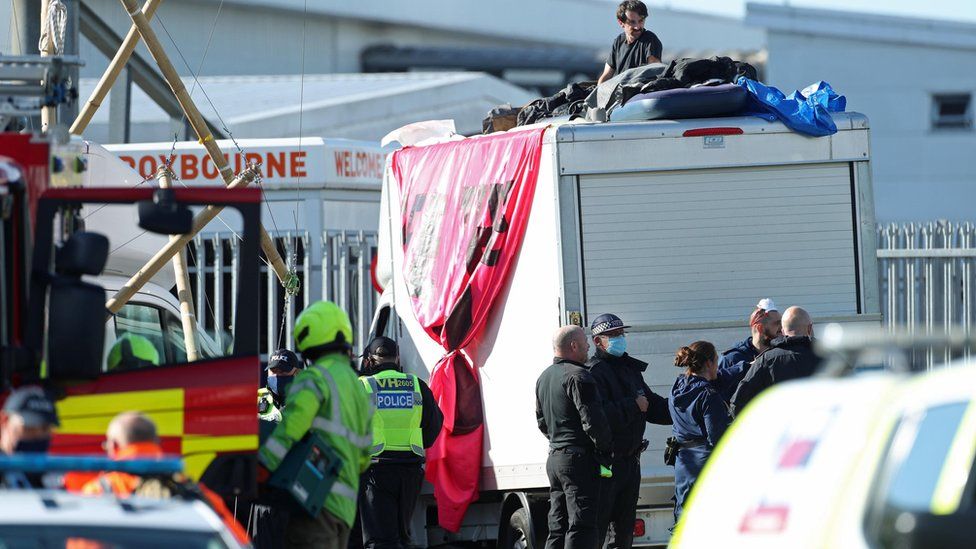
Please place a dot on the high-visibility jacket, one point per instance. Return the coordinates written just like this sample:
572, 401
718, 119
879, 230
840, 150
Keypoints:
124, 484
328, 398
119, 483
399, 410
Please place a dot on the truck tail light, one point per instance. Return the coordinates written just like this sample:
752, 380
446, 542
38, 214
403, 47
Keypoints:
698, 132
639, 528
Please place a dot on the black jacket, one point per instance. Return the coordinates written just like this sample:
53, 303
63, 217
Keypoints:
431, 420
568, 409
789, 357
620, 381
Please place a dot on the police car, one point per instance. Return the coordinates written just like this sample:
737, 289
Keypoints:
54, 518
876, 460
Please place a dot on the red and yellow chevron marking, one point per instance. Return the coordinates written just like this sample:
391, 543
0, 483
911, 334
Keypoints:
201, 410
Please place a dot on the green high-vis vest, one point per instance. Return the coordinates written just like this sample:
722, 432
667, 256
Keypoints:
399, 409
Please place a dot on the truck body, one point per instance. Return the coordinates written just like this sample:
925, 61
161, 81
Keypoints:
678, 227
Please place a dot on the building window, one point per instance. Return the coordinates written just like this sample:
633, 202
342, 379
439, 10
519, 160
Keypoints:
952, 111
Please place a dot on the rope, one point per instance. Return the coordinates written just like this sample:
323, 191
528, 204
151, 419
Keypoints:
54, 27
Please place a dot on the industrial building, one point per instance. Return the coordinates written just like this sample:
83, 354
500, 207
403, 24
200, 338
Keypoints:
914, 78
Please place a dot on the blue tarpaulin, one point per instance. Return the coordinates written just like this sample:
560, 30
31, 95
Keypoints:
806, 111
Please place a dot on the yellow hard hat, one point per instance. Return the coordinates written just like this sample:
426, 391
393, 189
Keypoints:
322, 327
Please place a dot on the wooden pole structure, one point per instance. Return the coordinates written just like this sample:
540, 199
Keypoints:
187, 316
167, 252
49, 114
111, 74
199, 126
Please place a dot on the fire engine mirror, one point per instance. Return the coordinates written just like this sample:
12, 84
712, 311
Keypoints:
76, 330
164, 215
85, 253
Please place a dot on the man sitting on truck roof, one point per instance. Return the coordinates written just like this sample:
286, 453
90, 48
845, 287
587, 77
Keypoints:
635, 46
764, 325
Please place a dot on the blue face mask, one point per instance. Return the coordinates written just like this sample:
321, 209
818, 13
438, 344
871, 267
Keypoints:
38, 446
279, 386
617, 346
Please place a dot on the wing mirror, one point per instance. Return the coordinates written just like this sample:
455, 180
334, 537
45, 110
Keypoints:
164, 215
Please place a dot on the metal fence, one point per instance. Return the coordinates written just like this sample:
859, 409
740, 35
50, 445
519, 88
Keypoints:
926, 279
336, 268
926, 276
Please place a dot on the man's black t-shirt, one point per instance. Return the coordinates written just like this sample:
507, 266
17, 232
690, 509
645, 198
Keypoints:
624, 56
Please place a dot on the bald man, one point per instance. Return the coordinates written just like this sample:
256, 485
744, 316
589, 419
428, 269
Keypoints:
790, 356
130, 435
569, 412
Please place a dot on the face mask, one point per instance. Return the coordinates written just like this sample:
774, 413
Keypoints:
279, 386
38, 446
617, 346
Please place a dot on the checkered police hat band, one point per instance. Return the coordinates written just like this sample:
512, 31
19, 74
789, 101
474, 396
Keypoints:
607, 326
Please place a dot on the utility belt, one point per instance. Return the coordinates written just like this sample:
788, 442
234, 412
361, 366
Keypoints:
572, 450
673, 445
635, 453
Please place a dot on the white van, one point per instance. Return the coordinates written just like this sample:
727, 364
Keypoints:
678, 227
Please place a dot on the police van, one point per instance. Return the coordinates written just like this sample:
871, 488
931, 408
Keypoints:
678, 227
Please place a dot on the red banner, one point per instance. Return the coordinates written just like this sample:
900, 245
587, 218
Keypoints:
464, 205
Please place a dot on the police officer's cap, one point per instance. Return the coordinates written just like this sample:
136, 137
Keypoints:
382, 347
606, 322
33, 406
283, 359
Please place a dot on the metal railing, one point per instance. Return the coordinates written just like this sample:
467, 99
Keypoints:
344, 269
926, 280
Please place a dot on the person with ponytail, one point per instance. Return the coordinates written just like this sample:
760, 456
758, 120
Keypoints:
700, 415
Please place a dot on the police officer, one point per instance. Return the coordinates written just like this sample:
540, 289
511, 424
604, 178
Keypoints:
700, 416
132, 351
327, 398
569, 413
406, 422
26, 424
268, 519
764, 327
629, 405
282, 367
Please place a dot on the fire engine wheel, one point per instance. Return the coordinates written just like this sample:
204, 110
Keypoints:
517, 534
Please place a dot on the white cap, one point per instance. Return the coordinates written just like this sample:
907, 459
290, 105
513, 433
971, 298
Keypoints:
767, 305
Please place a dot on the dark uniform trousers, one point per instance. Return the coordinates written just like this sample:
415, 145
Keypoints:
618, 502
387, 497
574, 496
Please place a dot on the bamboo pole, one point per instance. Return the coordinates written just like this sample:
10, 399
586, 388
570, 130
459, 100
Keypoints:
167, 252
187, 318
198, 124
49, 114
111, 74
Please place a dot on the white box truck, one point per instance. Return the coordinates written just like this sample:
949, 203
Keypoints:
678, 227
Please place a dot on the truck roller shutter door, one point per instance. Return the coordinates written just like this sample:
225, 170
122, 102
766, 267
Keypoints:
664, 248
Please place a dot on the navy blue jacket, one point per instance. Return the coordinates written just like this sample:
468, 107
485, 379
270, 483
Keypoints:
698, 411
620, 380
733, 365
